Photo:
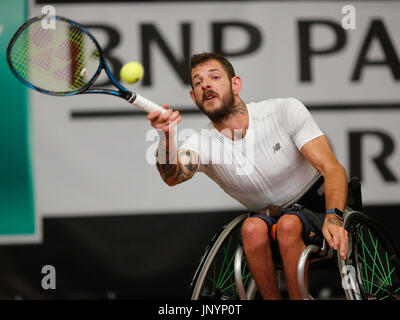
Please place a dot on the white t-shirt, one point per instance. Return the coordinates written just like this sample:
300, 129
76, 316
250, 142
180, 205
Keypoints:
265, 167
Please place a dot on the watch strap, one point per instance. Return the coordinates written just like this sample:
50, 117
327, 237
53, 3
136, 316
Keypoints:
336, 212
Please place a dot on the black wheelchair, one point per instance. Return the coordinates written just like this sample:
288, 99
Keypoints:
371, 270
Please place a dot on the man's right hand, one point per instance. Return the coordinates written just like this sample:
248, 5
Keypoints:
166, 121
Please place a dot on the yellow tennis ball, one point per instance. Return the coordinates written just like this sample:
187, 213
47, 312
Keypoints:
132, 72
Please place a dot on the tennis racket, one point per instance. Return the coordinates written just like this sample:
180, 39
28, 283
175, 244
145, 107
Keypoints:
64, 61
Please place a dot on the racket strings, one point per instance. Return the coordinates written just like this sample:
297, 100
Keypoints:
79, 58
61, 60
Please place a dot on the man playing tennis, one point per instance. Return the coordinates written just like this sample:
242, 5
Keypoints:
287, 160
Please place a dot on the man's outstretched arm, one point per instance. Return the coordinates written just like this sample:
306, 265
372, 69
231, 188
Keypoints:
175, 166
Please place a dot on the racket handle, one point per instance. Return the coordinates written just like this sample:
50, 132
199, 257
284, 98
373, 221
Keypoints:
145, 104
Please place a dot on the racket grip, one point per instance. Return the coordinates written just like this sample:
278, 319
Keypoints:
145, 104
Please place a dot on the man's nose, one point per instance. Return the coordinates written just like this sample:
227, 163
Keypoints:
206, 84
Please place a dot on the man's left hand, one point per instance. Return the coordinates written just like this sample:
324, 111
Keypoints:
336, 236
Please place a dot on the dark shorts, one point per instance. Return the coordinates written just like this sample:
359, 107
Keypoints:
310, 209
312, 224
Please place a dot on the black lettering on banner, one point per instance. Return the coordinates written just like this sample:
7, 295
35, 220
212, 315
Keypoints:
150, 35
356, 152
377, 31
218, 29
113, 42
305, 44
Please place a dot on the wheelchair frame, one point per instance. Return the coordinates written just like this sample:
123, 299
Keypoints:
354, 288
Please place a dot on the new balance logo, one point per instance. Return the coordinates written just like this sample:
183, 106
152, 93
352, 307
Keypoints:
276, 147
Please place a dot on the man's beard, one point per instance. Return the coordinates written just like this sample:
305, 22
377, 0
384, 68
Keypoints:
226, 108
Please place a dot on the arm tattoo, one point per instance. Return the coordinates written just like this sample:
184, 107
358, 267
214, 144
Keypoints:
166, 170
181, 171
335, 221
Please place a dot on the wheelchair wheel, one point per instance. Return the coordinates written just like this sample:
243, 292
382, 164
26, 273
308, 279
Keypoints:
372, 265
214, 278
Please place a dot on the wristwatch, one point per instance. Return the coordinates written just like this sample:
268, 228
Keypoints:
338, 213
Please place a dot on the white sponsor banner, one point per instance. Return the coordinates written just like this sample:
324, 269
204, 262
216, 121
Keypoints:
367, 144
272, 68
280, 49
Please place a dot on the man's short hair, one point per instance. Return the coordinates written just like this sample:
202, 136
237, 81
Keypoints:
199, 58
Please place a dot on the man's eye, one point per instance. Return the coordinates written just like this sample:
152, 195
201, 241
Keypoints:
216, 77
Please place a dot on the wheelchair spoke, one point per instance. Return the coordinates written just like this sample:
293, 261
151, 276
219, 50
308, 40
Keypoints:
388, 267
213, 281
379, 258
379, 287
383, 283
373, 257
221, 276
223, 262
363, 250
245, 276
233, 283
228, 277
383, 279
376, 270
375, 265
228, 287
366, 279
225, 277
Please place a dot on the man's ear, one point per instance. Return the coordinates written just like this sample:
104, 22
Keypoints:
236, 85
193, 97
